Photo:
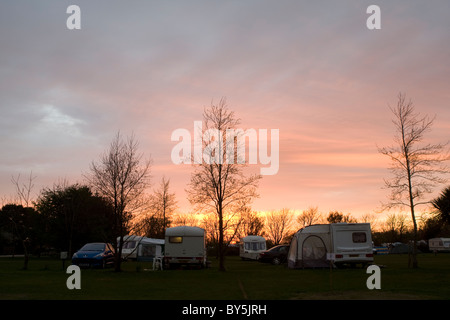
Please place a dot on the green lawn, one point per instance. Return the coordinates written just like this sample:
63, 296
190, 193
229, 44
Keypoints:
45, 279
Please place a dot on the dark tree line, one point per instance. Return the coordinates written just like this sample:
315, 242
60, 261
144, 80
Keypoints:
63, 218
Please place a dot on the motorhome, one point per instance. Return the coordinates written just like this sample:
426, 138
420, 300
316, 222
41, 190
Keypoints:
251, 246
185, 245
335, 244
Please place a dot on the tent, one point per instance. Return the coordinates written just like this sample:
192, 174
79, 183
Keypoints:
309, 248
399, 248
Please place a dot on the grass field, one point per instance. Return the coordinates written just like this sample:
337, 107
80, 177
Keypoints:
46, 279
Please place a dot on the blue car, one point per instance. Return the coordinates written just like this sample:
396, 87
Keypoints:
97, 254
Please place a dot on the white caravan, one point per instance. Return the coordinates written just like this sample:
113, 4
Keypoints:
185, 245
439, 244
337, 244
251, 246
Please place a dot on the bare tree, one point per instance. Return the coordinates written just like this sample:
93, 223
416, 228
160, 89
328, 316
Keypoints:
186, 219
162, 205
279, 225
23, 194
251, 223
122, 176
309, 216
416, 169
218, 183
370, 218
395, 226
23, 191
231, 226
163, 202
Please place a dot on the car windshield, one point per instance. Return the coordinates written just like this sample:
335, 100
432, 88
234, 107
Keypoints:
93, 247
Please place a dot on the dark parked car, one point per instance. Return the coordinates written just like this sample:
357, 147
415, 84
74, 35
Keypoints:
97, 254
275, 255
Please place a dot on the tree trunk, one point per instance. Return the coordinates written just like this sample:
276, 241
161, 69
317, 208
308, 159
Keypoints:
413, 257
221, 249
118, 262
413, 260
25, 251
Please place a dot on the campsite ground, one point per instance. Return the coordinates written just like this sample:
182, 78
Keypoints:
46, 279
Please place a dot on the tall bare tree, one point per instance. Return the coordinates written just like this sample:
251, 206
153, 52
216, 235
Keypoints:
218, 183
122, 176
416, 168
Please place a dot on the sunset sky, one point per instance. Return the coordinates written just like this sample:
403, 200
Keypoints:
311, 69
